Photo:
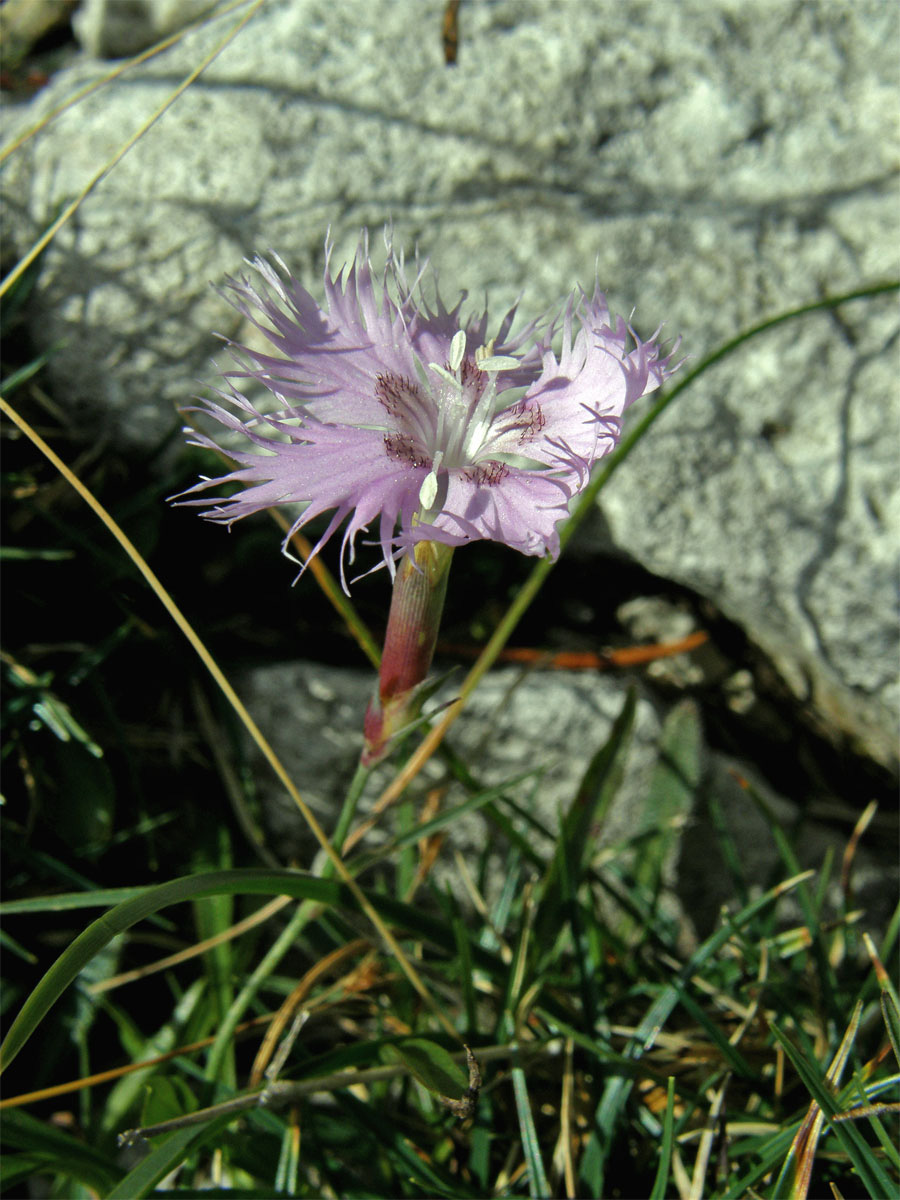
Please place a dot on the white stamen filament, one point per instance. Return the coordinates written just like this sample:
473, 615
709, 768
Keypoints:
480, 420
445, 374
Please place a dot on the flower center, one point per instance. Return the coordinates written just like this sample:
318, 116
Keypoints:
446, 422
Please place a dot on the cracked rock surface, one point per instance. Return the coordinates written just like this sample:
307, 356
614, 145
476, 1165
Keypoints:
720, 161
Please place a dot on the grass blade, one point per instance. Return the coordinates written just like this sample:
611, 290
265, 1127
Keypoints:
51, 1148
587, 810
665, 1151
248, 881
234, 700
538, 1188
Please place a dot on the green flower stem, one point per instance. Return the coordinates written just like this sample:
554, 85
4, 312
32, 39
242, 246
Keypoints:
347, 813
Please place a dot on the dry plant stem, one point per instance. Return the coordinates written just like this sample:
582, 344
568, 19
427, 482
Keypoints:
173, 960
67, 212
805, 1143
116, 1073
868, 1110
292, 1003
231, 696
278, 1095
566, 1109
466, 1106
862, 824
305, 912
707, 1138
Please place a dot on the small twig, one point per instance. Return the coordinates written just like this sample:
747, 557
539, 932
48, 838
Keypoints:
278, 1095
163, 964
239, 1104
465, 1106
450, 32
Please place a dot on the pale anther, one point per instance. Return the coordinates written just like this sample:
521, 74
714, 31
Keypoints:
429, 489
457, 349
499, 362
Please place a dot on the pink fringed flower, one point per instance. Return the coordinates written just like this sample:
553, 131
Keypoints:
391, 411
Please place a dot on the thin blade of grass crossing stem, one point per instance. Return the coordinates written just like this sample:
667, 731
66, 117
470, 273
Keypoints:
538, 1188
585, 815
665, 1150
